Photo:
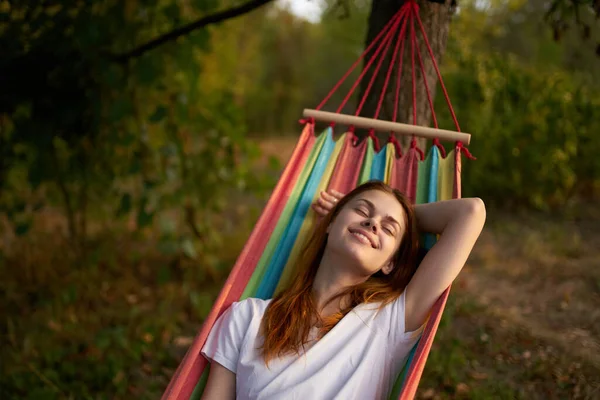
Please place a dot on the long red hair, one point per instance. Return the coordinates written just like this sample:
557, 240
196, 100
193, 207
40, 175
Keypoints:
291, 314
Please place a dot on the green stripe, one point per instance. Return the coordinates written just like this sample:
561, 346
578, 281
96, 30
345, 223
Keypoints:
284, 219
365, 173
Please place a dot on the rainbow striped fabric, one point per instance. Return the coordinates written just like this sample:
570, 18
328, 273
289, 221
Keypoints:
319, 162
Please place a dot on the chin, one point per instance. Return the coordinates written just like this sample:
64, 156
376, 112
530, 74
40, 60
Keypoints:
356, 257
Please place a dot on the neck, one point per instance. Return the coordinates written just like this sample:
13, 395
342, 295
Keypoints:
333, 277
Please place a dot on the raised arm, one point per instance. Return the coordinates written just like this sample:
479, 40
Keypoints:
459, 223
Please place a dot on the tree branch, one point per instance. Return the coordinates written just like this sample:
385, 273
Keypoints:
184, 30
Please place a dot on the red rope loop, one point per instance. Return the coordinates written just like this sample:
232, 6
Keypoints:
460, 147
309, 120
436, 143
351, 129
375, 139
413, 145
353, 138
392, 139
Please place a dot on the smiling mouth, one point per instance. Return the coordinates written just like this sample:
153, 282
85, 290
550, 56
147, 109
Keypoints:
363, 238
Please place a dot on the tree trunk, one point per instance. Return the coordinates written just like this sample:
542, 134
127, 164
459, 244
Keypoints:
436, 21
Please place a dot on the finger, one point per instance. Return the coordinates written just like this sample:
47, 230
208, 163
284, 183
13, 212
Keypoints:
329, 197
320, 210
337, 194
321, 201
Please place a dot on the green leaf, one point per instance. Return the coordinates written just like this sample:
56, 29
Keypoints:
274, 163
164, 275
205, 5
188, 248
168, 225
172, 12
21, 228
200, 39
202, 302
158, 115
147, 70
168, 247
144, 218
119, 109
125, 205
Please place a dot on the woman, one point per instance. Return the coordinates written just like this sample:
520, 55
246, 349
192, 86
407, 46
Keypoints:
345, 325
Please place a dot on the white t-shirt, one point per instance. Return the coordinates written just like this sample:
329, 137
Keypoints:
360, 358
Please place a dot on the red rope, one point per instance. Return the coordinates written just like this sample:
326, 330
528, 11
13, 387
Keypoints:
392, 139
375, 140
400, 39
409, 10
338, 84
413, 145
309, 120
460, 147
429, 100
437, 70
397, 98
413, 40
388, 40
413, 44
396, 19
436, 141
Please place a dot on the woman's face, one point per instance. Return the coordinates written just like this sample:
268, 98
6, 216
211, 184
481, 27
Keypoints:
368, 231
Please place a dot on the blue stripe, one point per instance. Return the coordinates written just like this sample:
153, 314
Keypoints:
284, 247
432, 189
378, 168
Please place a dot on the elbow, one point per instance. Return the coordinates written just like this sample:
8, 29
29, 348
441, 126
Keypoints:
475, 209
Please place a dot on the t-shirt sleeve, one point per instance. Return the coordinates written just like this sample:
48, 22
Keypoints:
225, 339
397, 322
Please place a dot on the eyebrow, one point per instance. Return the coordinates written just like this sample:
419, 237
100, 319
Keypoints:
388, 217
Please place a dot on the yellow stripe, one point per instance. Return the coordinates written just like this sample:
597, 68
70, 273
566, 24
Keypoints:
390, 156
308, 225
446, 177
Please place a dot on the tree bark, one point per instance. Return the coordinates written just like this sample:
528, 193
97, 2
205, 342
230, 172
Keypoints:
436, 21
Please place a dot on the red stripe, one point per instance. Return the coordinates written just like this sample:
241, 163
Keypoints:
406, 173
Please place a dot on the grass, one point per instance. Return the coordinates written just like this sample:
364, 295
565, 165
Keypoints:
522, 321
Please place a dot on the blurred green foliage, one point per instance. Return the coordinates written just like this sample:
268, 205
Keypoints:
94, 136
532, 111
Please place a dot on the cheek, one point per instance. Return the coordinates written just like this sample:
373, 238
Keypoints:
391, 246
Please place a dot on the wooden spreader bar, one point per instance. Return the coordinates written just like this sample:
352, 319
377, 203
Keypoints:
387, 126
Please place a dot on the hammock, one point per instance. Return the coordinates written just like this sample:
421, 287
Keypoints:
321, 162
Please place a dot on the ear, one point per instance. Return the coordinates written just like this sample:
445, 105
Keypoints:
388, 267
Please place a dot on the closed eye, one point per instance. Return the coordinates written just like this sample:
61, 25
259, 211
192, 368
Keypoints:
389, 231
362, 212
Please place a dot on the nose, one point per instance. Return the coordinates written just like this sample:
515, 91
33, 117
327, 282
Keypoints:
369, 225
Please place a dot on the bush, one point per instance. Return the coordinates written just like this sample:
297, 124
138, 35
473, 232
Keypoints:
533, 131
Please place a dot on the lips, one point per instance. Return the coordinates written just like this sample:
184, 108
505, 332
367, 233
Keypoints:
364, 233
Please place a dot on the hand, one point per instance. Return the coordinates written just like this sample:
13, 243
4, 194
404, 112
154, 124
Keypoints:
326, 202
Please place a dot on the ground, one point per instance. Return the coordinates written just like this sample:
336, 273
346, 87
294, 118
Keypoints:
522, 321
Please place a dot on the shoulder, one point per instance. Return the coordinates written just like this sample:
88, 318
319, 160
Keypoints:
249, 308
391, 317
